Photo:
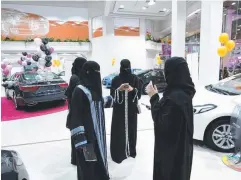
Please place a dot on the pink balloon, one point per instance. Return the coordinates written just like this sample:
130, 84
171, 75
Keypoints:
24, 63
20, 61
3, 65
9, 67
6, 71
51, 49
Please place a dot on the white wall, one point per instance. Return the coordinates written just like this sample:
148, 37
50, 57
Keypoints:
52, 13
118, 47
107, 47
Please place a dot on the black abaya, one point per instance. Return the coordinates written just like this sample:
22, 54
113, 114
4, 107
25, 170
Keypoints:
173, 124
87, 126
173, 138
74, 81
123, 144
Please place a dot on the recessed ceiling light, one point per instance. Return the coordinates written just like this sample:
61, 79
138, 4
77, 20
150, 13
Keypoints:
233, 3
144, 8
151, 2
122, 6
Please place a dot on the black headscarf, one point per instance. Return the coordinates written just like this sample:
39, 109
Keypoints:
125, 70
92, 79
77, 66
178, 76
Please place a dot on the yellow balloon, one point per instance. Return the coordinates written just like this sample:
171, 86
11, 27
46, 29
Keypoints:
158, 60
223, 38
113, 62
57, 63
230, 45
222, 51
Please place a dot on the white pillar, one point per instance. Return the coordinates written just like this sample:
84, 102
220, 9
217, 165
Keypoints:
178, 27
211, 28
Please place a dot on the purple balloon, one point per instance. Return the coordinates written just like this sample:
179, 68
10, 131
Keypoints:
51, 49
3, 65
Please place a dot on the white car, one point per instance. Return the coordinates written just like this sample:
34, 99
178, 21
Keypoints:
213, 107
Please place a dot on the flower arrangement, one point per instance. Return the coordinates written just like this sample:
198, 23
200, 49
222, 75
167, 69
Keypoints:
148, 36
50, 39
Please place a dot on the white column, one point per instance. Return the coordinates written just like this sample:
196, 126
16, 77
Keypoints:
211, 27
178, 27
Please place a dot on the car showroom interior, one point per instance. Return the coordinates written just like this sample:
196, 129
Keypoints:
121, 90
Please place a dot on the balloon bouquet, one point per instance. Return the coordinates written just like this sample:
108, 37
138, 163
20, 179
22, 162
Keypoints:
43, 56
227, 46
26, 61
6, 68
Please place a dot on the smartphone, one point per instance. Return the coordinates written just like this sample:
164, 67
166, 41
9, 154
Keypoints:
126, 86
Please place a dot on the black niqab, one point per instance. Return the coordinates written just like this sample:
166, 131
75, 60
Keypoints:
178, 76
77, 66
125, 69
92, 79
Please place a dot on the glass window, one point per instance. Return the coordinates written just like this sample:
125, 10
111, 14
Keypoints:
231, 84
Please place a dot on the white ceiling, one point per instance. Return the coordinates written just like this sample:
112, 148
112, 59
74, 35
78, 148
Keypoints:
160, 9
78, 4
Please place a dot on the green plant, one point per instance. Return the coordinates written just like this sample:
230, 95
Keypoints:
51, 39
149, 37
58, 40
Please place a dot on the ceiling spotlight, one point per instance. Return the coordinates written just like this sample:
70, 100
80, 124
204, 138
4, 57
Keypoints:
151, 2
122, 6
233, 3
144, 7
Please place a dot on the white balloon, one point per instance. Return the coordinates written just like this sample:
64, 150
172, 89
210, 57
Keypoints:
9, 67
41, 62
24, 63
37, 41
6, 61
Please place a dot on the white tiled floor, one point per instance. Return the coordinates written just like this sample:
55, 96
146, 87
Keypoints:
43, 143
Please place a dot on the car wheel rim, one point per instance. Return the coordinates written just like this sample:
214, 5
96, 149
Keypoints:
222, 137
15, 102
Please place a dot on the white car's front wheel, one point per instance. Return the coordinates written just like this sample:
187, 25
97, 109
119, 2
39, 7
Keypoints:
218, 136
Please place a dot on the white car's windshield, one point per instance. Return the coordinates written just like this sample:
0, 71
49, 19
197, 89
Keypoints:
230, 85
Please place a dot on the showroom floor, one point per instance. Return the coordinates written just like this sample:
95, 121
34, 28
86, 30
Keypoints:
44, 146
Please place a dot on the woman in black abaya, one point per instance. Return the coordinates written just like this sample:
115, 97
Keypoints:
75, 80
87, 124
173, 122
124, 117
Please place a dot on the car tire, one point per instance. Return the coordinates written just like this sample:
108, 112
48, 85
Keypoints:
218, 128
7, 95
17, 107
144, 89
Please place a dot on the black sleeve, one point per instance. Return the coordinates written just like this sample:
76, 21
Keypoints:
73, 82
114, 92
137, 88
108, 101
155, 107
76, 120
113, 87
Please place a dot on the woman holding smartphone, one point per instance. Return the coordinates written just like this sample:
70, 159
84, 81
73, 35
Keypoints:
126, 91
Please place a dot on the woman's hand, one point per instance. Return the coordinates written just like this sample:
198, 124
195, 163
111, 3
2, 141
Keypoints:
130, 89
122, 87
151, 90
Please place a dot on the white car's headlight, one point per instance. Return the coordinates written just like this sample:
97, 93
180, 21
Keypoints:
203, 108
